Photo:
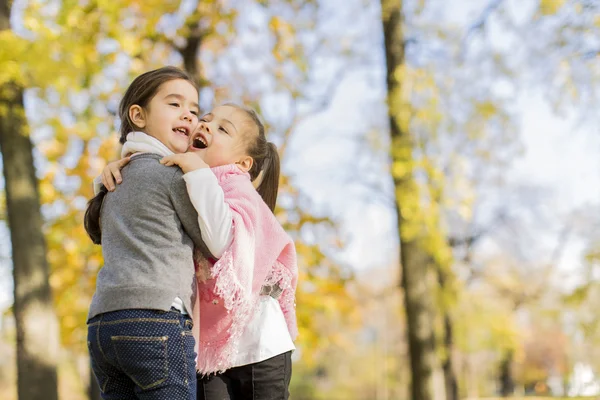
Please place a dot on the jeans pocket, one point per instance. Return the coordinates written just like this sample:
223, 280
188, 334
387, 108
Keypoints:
143, 359
188, 344
101, 377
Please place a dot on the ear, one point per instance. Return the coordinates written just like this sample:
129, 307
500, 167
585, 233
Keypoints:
245, 163
137, 116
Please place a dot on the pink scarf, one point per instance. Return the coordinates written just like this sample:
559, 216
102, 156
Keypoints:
261, 253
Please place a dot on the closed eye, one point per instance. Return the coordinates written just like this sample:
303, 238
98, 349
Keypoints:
174, 104
194, 112
223, 129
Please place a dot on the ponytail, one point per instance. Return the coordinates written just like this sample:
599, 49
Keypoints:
91, 220
266, 159
269, 184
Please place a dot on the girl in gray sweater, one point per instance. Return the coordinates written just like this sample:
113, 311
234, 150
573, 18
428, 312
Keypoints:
139, 328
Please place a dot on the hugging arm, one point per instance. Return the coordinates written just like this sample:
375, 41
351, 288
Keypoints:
110, 174
187, 213
214, 215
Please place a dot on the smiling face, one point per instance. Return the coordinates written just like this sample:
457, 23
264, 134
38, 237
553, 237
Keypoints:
171, 116
222, 137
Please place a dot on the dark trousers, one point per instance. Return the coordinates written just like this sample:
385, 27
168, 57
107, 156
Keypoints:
143, 354
266, 380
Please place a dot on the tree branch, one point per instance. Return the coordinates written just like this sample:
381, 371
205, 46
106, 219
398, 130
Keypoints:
480, 23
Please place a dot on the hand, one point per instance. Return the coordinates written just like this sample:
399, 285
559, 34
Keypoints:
113, 169
186, 161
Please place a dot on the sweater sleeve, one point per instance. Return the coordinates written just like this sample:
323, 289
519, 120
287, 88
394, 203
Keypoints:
97, 184
214, 215
186, 212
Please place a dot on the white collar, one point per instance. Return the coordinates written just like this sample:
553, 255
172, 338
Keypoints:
140, 142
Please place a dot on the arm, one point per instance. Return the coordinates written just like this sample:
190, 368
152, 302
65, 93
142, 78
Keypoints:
214, 215
207, 196
186, 212
110, 174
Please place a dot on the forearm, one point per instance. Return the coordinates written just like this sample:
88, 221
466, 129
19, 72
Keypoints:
214, 215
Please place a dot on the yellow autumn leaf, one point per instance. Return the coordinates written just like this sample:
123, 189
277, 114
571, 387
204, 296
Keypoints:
550, 7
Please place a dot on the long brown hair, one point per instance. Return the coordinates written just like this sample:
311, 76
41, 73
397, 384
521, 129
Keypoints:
266, 160
140, 92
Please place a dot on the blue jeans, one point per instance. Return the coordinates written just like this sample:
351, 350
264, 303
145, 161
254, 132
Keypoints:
143, 354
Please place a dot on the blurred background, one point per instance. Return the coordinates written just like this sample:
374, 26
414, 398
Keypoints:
441, 179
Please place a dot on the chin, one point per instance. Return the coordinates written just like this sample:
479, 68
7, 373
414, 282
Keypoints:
195, 149
178, 150
180, 147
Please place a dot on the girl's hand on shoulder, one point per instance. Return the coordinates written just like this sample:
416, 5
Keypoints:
186, 161
112, 173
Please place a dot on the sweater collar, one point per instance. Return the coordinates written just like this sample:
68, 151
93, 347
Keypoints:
140, 142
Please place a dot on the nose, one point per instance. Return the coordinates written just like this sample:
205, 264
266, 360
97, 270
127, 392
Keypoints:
206, 127
187, 115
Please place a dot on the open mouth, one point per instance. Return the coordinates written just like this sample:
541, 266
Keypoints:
199, 142
183, 131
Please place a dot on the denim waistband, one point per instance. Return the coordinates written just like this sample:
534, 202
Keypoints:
173, 314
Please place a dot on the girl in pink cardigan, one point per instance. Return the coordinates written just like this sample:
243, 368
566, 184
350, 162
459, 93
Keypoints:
245, 320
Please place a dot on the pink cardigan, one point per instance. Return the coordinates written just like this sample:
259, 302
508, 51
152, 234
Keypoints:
261, 253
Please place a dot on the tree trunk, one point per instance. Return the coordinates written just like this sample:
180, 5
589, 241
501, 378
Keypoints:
190, 55
418, 274
36, 323
448, 365
190, 52
507, 384
450, 380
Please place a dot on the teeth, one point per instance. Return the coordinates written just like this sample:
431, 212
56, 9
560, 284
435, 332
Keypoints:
199, 142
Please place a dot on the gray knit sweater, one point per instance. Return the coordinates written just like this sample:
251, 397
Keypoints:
149, 229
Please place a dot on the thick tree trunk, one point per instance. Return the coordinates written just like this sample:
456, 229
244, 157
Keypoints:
36, 323
37, 328
418, 274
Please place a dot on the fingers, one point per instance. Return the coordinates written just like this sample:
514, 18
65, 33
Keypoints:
104, 180
170, 160
112, 173
115, 170
123, 162
107, 179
